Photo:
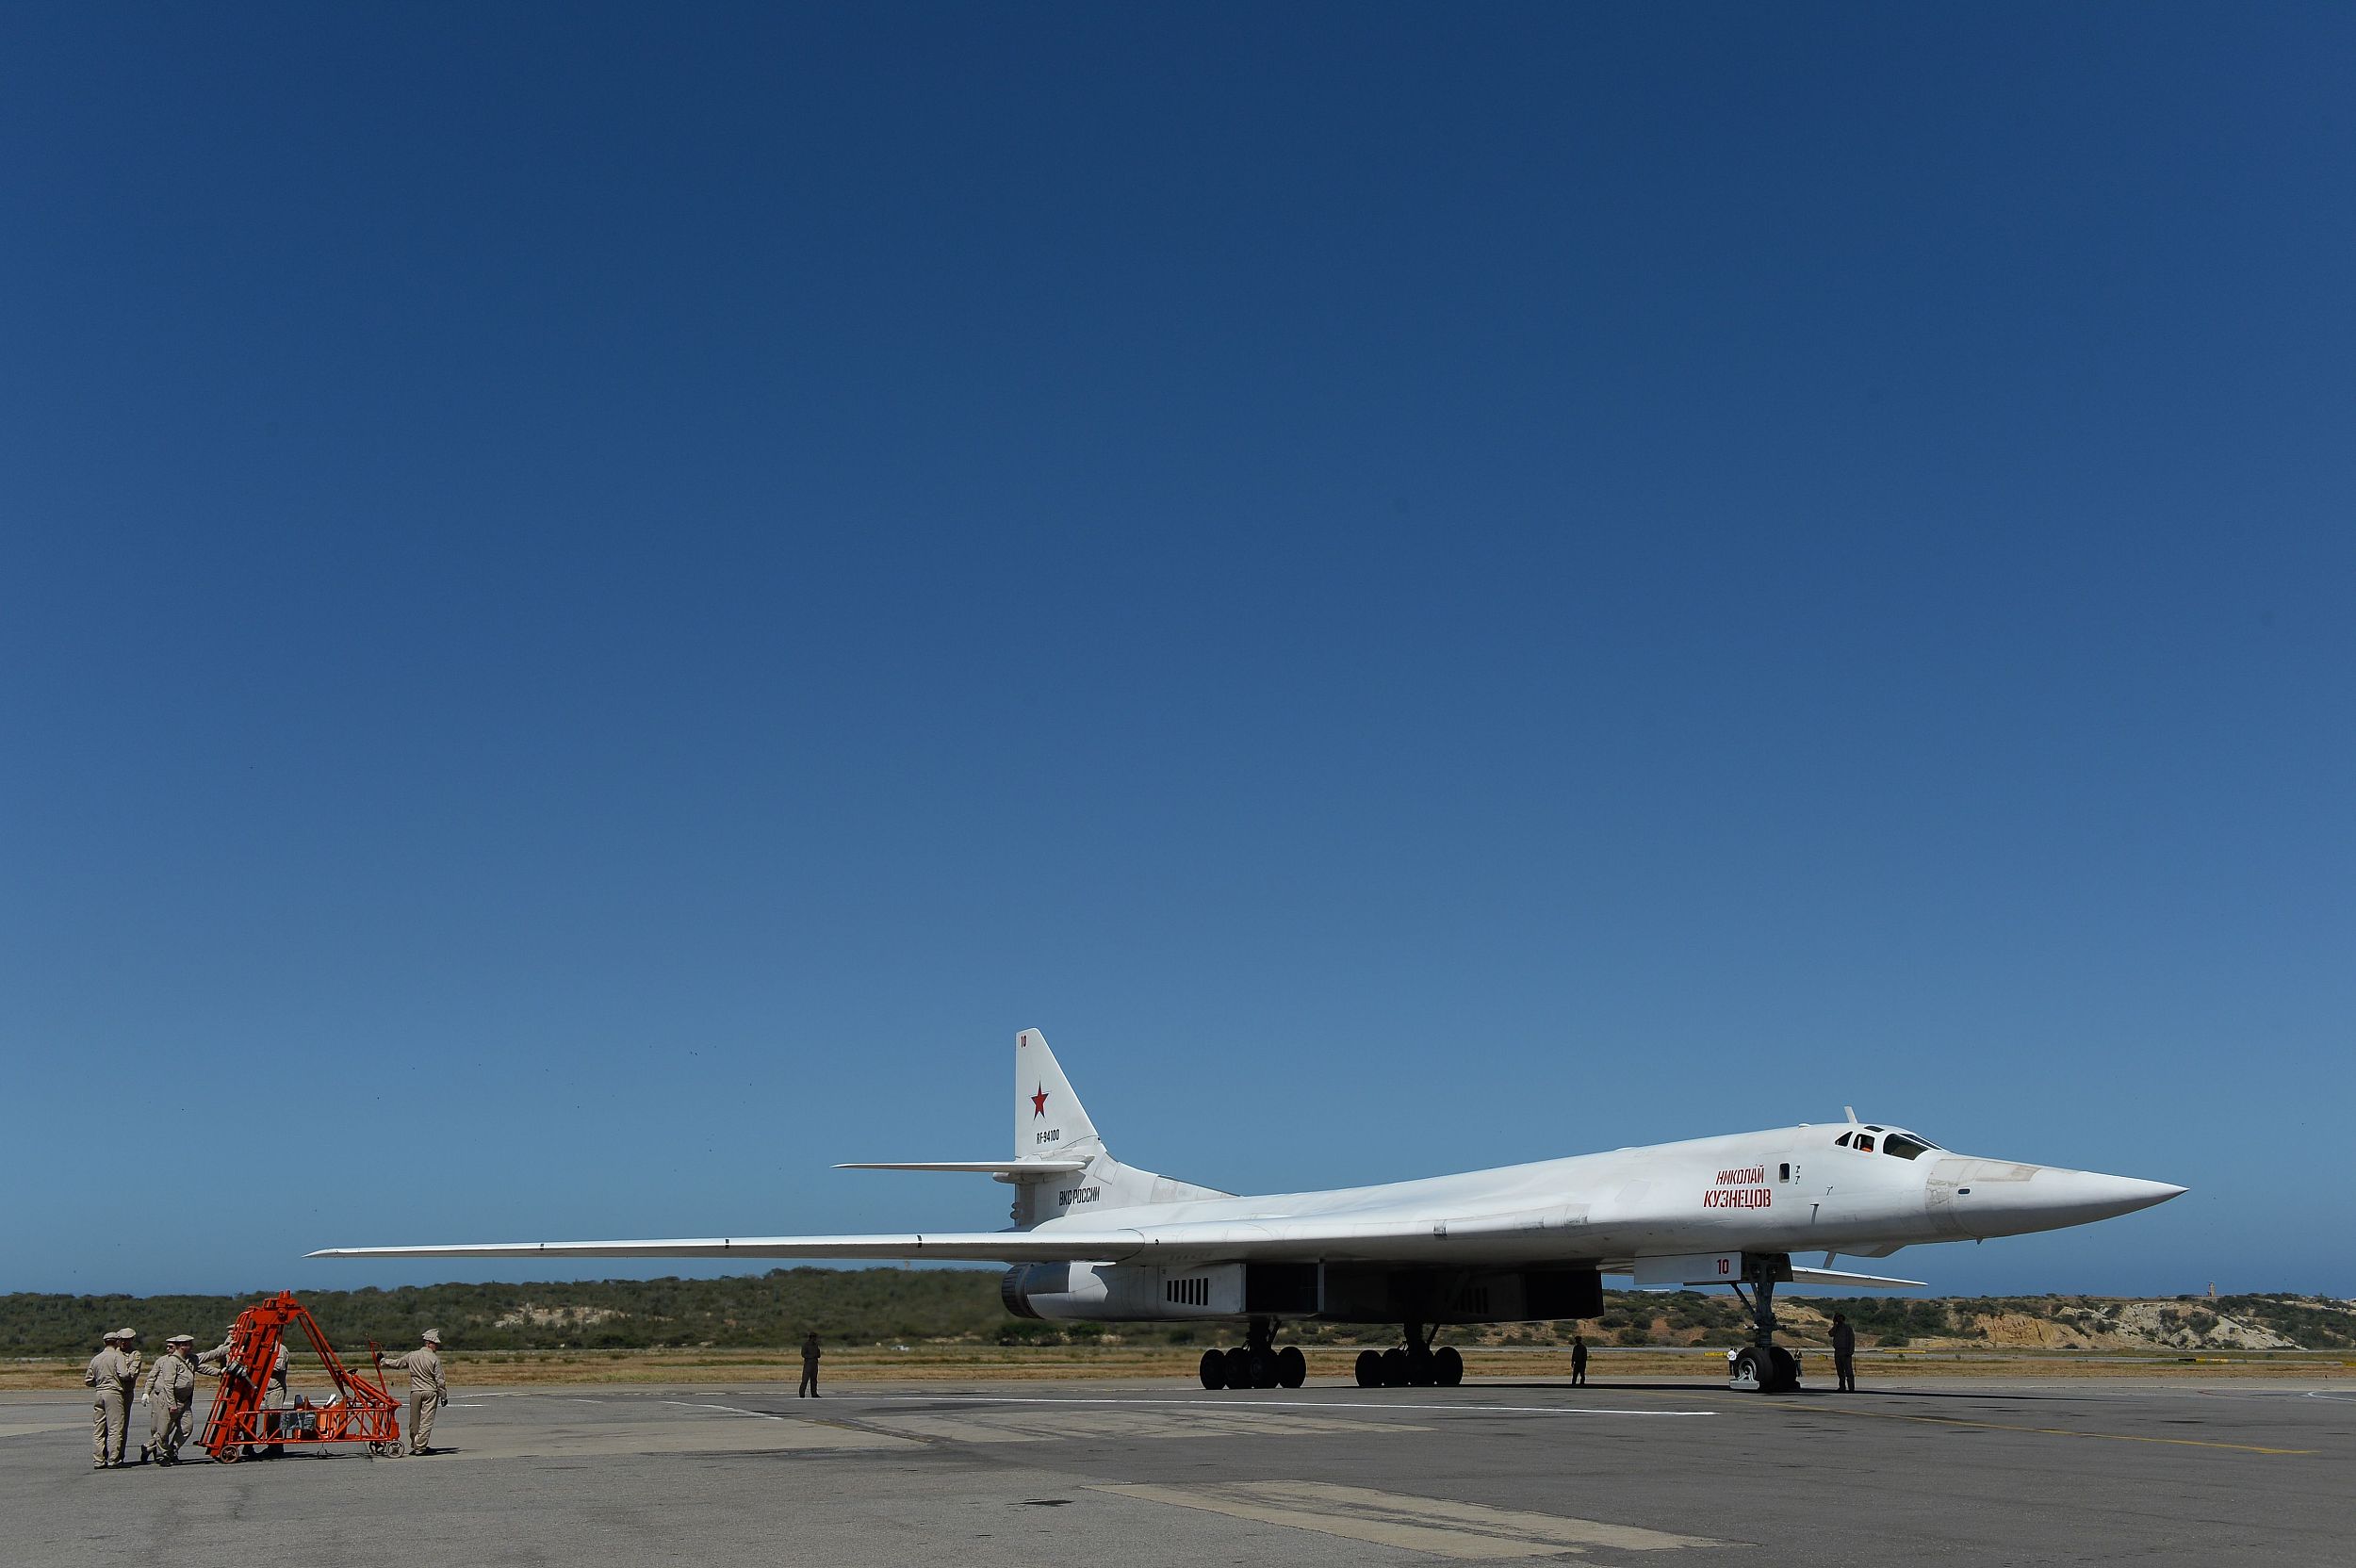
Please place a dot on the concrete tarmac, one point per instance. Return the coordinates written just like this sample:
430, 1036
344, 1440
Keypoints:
1163, 1475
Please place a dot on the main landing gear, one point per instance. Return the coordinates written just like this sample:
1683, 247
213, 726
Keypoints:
1413, 1364
1763, 1365
1256, 1363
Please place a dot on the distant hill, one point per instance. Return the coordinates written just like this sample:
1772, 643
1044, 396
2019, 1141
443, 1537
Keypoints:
887, 1305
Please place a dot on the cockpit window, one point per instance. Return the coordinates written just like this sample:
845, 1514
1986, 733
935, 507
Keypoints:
1865, 1143
1842, 1142
1905, 1146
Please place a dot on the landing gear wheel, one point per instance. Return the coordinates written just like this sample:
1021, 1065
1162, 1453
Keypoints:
1786, 1370
1292, 1367
1264, 1369
1369, 1370
1395, 1367
1238, 1367
1447, 1367
1751, 1369
1214, 1370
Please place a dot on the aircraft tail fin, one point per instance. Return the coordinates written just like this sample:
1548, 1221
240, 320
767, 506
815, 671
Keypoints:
1049, 1120
1052, 1127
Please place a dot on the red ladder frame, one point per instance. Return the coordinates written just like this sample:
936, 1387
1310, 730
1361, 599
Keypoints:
361, 1412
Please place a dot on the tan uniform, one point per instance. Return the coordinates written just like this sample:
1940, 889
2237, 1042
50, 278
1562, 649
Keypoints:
427, 1392
170, 1394
114, 1375
274, 1394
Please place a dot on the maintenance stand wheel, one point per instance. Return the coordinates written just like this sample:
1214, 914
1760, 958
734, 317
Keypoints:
1214, 1370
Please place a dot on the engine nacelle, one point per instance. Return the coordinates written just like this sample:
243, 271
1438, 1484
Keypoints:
1123, 1293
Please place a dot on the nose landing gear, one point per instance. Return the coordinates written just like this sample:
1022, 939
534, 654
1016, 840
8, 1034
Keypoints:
1257, 1362
1763, 1365
1415, 1364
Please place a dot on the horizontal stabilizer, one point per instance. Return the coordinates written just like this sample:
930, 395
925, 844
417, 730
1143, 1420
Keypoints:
981, 1167
1863, 1281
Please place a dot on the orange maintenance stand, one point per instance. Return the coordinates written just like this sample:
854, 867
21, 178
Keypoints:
358, 1411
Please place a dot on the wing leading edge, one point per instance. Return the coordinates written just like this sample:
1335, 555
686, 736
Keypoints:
1271, 1239
980, 1246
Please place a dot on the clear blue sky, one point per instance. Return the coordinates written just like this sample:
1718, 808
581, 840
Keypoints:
598, 604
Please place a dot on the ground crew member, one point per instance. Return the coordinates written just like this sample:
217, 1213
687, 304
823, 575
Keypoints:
274, 1398
1579, 1361
427, 1392
113, 1373
169, 1393
810, 1366
218, 1353
1844, 1353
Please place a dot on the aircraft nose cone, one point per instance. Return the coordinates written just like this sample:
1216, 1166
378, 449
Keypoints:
2083, 1195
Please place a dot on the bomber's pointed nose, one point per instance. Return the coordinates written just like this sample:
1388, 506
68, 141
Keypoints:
2075, 1197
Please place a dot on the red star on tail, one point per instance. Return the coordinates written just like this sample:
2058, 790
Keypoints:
1038, 1104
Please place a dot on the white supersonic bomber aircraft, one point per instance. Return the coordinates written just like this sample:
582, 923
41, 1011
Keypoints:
1097, 1240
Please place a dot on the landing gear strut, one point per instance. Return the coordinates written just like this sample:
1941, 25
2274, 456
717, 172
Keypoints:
1762, 1364
1415, 1364
1257, 1362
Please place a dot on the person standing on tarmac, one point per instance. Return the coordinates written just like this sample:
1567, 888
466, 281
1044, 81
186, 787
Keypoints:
128, 1341
273, 1400
427, 1392
169, 1394
1844, 1353
810, 1366
113, 1373
1579, 1361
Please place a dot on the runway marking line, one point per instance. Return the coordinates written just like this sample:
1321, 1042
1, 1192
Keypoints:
1436, 1526
2053, 1431
732, 1410
1226, 1408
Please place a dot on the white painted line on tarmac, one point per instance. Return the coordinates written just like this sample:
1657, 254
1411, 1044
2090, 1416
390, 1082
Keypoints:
732, 1410
1434, 1525
1226, 1406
